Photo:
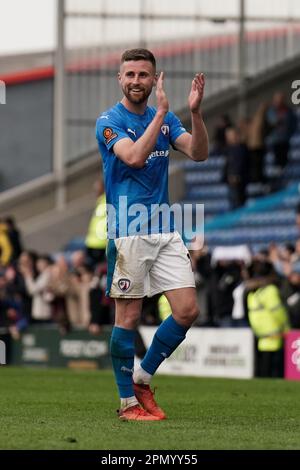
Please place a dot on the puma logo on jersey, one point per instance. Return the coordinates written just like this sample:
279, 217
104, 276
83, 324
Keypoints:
132, 132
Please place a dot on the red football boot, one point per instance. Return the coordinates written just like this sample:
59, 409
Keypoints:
145, 397
136, 413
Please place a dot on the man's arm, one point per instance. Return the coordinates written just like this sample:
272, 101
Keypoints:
195, 145
136, 153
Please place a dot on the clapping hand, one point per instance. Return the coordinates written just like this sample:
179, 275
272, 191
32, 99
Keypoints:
162, 100
196, 93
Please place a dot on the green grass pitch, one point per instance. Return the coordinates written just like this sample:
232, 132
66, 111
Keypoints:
67, 409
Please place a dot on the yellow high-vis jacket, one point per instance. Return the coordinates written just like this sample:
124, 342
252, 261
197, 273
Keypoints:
164, 308
5, 246
268, 317
97, 232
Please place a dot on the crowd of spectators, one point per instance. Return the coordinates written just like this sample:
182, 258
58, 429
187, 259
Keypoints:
70, 290
262, 292
246, 142
41, 289
223, 284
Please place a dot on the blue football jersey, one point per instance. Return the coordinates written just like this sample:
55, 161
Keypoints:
134, 195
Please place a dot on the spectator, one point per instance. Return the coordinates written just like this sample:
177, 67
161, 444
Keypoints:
242, 127
78, 300
257, 131
239, 309
226, 276
236, 169
14, 237
219, 139
164, 308
26, 261
11, 312
6, 249
58, 289
282, 123
16, 321
201, 263
38, 288
283, 258
291, 295
99, 310
268, 318
78, 260
96, 239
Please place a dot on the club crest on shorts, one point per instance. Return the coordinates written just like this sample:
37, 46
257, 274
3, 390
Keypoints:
165, 129
124, 284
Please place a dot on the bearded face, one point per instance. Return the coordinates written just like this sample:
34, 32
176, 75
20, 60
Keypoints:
137, 79
136, 95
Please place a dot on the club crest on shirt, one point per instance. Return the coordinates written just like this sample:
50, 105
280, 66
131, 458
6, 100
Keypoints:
109, 134
165, 129
124, 284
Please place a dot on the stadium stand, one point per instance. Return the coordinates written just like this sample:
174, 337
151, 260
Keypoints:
264, 218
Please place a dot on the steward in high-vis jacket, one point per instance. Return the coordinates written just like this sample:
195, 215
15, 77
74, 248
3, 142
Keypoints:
268, 319
164, 308
6, 249
96, 239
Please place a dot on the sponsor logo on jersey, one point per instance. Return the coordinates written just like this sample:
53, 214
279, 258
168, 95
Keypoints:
124, 284
165, 129
109, 134
158, 153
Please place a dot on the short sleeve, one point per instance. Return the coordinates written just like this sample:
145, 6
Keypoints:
109, 130
176, 128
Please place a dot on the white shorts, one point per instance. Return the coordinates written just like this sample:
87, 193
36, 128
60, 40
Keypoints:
146, 265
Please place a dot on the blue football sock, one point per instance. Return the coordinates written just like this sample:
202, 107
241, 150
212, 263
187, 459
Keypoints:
166, 339
122, 354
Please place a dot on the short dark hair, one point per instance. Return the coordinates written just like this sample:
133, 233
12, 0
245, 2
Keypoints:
260, 269
138, 54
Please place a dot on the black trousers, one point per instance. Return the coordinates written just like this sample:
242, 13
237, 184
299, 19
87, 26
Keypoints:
96, 256
281, 153
269, 363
